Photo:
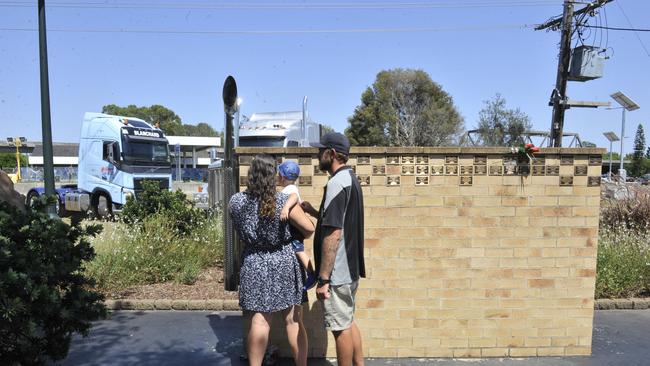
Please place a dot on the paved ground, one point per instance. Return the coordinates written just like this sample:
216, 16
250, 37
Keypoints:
214, 338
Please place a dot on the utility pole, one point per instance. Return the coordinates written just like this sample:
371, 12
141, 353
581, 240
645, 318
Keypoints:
559, 99
48, 159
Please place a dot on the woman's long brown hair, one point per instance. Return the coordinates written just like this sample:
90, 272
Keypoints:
261, 183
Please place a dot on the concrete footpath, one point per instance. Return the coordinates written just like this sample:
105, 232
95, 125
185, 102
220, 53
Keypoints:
214, 338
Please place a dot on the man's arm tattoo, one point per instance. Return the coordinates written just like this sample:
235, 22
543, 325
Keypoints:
330, 247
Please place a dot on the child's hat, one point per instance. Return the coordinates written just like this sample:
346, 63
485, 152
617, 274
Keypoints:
289, 170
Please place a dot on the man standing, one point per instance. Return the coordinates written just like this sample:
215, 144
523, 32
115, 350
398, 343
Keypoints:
338, 247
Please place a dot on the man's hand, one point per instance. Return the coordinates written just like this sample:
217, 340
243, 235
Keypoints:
308, 208
323, 292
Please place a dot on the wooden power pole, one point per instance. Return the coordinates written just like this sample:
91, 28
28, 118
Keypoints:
559, 99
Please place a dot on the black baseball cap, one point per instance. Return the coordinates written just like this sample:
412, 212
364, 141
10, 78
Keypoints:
334, 140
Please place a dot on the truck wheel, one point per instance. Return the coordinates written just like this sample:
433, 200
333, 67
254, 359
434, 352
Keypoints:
31, 198
102, 206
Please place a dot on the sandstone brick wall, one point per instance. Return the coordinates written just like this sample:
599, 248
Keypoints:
467, 254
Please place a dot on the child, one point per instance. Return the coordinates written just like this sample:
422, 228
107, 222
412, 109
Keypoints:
289, 172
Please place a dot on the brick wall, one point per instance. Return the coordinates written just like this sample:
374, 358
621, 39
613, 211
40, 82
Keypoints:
467, 254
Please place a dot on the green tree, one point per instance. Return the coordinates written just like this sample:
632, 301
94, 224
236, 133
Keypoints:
588, 144
8, 160
404, 107
169, 121
499, 126
639, 148
45, 295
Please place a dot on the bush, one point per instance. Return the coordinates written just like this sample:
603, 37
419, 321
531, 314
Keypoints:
632, 212
153, 200
623, 268
154, 251
45, 296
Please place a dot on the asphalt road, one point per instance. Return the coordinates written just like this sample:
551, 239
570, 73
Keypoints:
214, 338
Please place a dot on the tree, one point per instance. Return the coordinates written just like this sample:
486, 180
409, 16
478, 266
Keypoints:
169, 121
8, 160
588, 144
639, 148
499, 126
45, 294
404, 107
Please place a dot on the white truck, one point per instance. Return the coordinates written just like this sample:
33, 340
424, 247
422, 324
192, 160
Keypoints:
278, 129
116, 154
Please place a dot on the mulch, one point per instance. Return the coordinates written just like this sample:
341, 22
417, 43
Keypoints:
208, 286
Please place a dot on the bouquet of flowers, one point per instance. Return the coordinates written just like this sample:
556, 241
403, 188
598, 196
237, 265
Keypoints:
525, 152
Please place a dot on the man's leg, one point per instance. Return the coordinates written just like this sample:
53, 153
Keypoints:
357, 345
344, 347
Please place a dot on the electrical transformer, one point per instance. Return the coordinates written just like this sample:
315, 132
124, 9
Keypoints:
586, 63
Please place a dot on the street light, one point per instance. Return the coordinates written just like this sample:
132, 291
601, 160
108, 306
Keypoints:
611, 136
627, 104
17, 142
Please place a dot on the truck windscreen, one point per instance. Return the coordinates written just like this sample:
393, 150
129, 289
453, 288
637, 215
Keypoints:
261, 141
146, 152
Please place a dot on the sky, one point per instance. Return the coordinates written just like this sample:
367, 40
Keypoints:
178, 53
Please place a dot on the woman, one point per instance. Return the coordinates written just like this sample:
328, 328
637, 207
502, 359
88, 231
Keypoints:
270, 277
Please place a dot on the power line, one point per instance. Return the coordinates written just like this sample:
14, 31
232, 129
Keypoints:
618, 28
635, 31
285, 31
289, 6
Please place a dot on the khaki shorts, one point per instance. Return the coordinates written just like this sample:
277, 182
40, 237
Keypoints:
338, 309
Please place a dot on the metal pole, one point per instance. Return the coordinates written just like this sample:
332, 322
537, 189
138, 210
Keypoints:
610, 159
48, 160
622, 139
232, 249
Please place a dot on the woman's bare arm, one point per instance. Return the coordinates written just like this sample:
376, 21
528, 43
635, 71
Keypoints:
300, 221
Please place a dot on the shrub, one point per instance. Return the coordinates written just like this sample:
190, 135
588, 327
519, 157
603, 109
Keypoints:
153, 200
45, 295
623, 268
154, 251
633, 212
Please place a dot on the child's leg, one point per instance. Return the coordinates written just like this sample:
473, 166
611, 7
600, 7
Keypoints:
303, 258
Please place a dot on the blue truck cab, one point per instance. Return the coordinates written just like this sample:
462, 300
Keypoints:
116, 154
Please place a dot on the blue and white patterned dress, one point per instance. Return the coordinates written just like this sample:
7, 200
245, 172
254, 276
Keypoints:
270, 276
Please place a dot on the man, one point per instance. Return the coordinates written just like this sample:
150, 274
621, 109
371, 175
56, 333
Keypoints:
338, 247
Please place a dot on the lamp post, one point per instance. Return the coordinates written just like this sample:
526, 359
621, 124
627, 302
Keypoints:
611, 136
18, 143
48, 155
627, 104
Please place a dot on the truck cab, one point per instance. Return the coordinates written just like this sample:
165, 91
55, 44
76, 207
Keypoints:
116, 154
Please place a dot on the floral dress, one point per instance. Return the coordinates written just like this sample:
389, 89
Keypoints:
270, 277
